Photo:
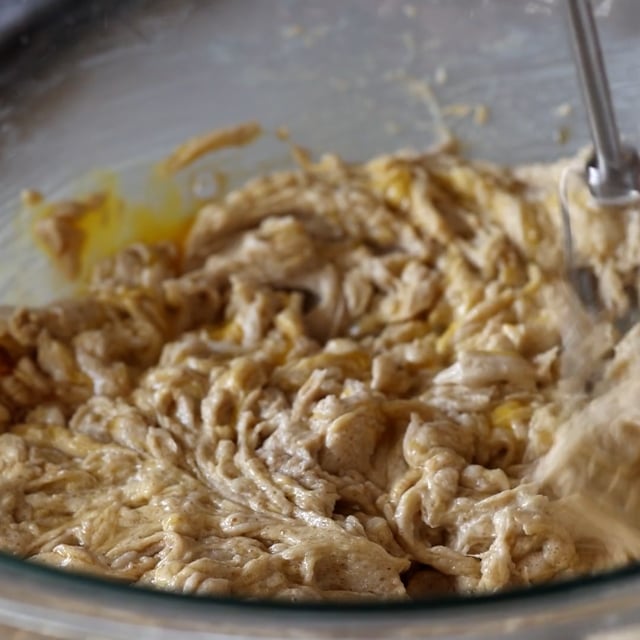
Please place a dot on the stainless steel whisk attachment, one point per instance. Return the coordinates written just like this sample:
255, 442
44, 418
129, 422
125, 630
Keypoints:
612, 172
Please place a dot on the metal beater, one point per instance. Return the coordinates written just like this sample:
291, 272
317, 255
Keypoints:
589, 462
612, 172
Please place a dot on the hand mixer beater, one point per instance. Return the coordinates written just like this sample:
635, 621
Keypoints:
595, 460
612, 172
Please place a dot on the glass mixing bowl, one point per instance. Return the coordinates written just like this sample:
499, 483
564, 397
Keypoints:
356, 78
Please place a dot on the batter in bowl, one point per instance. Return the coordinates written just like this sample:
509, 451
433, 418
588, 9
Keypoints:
336, 388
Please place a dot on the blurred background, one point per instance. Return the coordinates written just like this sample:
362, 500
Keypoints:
114, 84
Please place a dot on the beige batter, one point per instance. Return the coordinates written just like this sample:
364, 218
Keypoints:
339, 388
